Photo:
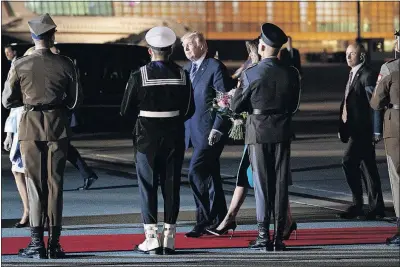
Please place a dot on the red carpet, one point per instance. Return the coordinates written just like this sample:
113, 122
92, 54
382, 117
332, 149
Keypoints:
121, 242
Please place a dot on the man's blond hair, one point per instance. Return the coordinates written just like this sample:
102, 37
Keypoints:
196, 37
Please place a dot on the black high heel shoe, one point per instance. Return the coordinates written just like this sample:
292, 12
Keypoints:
22, 225
287, 233
229, 226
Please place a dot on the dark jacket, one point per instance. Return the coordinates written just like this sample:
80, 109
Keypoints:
273, 88
159, 86
212, 76
362, 120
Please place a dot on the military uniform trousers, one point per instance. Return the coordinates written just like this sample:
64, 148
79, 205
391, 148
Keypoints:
359, 162
44, 163
392, 154
161, 163
271, 167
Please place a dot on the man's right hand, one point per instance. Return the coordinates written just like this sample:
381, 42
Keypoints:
7, 143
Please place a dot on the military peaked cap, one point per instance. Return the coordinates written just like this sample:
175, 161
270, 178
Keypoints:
41, 25
272, 35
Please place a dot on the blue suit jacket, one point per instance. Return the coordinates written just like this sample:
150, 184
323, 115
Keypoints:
211, 76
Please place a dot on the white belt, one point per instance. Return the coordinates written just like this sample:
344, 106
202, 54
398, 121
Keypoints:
159, 114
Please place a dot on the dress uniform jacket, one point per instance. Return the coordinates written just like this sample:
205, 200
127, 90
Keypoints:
158, 86
47, 80
387, 95
272, 88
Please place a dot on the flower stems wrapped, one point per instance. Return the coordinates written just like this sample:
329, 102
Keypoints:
222, 105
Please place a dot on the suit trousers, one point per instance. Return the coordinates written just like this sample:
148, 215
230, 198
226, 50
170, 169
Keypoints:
205, 181
44, 163
75, 158
160, 163
359, 162
392, 155
271, 175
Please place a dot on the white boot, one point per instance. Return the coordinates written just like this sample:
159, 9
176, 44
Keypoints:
168, 238
151, 245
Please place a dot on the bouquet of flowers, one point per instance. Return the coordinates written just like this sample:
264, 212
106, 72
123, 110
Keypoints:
221, 104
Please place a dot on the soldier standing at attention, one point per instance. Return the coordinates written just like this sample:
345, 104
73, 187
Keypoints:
387, 97
269, 92
159, 97
46, 85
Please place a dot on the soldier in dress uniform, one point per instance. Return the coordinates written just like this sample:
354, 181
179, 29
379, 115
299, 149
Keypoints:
387, 97
46, 85
269, 92
159, 96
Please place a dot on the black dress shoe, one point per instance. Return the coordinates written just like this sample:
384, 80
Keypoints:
279, 245
373, 215
196, 232
352, 212
88, 182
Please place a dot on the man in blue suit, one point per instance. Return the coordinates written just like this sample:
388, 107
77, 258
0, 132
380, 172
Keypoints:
206, 131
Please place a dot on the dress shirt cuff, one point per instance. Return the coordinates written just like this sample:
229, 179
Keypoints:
217, 131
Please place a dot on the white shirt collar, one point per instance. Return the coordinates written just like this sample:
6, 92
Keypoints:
200, 60
355, 69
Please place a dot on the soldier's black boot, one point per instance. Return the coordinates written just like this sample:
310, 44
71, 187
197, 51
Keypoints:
262, 241
278, 236
54, 250
36, 248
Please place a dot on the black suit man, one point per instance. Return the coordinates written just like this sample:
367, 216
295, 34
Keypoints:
361, 127
206, 131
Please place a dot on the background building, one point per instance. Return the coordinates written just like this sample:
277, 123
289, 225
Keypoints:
314, 25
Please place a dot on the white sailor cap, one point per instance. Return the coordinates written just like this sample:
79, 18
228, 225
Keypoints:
160, 37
